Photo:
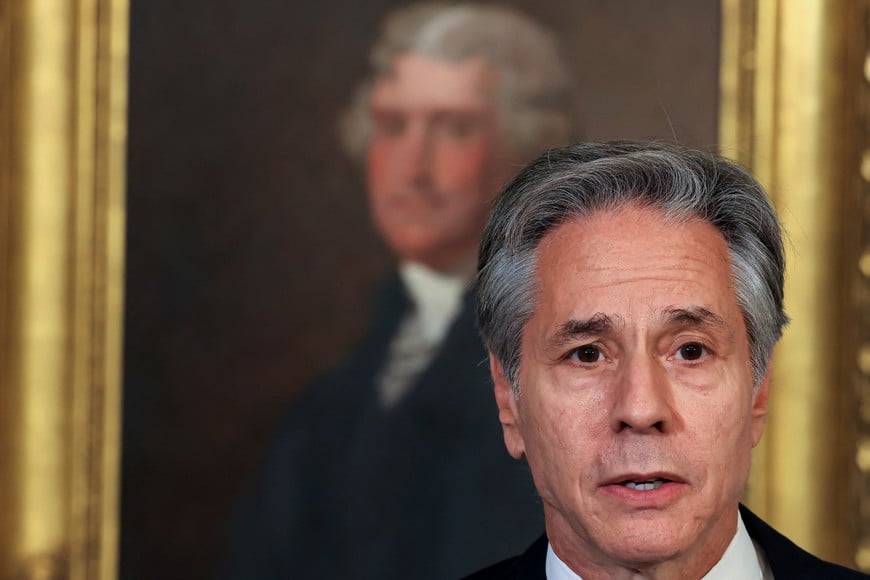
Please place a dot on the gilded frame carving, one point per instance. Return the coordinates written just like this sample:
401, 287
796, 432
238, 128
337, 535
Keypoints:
63, 77
792, 109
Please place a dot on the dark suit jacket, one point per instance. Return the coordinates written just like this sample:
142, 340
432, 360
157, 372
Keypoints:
422, 490
787, 561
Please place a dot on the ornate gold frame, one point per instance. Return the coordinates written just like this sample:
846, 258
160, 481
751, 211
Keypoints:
63, 80
792, 91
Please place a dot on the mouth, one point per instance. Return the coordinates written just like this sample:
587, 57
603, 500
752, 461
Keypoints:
645, 485
644, 481
646, 490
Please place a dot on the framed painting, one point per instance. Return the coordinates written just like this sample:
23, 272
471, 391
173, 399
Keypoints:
221, 253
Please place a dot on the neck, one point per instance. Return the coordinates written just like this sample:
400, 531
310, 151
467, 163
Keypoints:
463, 268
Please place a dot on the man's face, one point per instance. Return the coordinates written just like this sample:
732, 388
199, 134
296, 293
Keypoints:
435, 160
637, 412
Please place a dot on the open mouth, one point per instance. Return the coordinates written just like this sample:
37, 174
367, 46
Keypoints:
648, 485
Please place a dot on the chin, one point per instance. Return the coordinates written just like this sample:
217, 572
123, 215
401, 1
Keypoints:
646, 552
643, 544
412, 243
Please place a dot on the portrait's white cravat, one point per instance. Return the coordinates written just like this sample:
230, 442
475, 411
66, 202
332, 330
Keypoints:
437, 298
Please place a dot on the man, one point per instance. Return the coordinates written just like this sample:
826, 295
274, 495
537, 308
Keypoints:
630, 295
392, 465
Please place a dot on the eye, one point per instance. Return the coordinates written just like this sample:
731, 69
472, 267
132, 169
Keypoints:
460, 128
587, 354
691, 351
389, 124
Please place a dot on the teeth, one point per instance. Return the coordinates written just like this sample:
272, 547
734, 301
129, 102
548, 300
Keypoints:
644, 485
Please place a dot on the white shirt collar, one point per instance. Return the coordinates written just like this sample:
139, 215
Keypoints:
436, 295
740, 560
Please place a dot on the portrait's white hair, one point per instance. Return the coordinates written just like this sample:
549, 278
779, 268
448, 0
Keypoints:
536, 96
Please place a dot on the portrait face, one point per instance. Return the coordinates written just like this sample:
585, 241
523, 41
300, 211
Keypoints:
637, 412
436, 158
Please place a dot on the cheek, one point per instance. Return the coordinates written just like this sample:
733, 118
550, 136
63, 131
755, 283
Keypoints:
377, 163
459, 167
561, 440
723, 432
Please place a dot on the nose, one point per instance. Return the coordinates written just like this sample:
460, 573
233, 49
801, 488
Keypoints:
643, 398
416, 158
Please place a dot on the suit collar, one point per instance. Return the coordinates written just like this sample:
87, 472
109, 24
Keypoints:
785, 558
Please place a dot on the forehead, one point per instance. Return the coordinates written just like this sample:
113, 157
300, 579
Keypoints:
633, 263
418, 81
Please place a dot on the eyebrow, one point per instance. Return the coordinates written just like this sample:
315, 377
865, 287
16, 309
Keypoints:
573, 329
451, 113
694, 316
600, 323
439, 112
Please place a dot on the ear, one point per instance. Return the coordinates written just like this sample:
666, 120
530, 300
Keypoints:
508, 413
760, 401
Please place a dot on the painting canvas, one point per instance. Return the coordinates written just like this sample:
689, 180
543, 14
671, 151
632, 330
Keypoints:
251, 258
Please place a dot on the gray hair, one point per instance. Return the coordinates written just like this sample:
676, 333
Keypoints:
536, 93
580, 180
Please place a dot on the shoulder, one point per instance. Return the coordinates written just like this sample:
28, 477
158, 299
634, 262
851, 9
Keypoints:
788, 560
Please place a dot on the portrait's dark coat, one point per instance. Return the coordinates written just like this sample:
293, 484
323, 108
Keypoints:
422, 490
786, 560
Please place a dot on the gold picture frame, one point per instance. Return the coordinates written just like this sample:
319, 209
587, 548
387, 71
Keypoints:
63, 77
793, 109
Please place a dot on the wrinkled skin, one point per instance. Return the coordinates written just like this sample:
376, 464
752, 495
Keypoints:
635, 367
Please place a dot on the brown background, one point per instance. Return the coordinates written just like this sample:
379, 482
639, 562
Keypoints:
250, 258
